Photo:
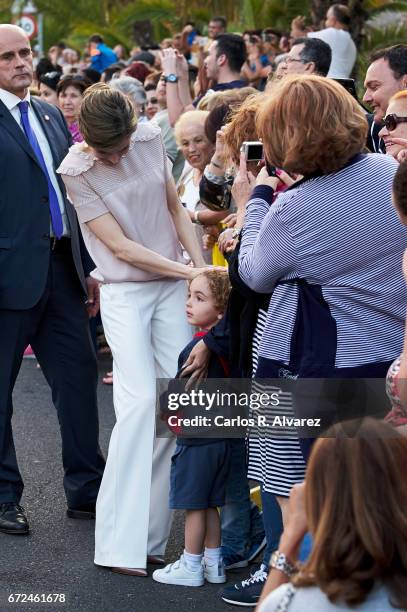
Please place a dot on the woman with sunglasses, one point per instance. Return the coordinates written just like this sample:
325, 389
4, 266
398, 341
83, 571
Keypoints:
394, 131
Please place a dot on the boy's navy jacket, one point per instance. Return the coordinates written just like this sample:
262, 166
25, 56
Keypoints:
217, 368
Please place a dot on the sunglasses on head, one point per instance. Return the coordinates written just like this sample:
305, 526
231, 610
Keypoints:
392, 121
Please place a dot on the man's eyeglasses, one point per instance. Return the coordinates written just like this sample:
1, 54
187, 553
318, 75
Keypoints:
152, 101
392, 121
291, 60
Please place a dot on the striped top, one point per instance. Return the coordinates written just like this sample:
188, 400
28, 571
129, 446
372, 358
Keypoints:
340, 234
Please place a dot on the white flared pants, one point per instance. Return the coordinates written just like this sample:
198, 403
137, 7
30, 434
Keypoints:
146, 328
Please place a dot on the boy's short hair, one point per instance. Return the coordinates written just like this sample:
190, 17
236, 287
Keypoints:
219, 285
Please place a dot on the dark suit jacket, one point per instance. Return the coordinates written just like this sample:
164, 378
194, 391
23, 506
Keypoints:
24, 209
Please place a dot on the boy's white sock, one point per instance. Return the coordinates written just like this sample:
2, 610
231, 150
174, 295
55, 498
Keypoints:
212, 556
193, 562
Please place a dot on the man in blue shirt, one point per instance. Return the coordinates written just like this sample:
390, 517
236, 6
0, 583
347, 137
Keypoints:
101, 55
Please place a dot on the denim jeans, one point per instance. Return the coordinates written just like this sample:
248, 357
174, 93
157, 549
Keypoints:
241, 521
273, 523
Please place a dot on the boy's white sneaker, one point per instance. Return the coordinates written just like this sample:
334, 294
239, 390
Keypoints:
214, 573
179, 573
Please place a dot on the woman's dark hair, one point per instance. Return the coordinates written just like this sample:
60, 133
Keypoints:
76, 81
217, 117
356, 500
45, 65
400, 188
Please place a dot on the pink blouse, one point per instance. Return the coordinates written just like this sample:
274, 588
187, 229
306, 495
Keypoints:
134, 192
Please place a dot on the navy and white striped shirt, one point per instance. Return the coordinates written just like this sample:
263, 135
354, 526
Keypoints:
339, 232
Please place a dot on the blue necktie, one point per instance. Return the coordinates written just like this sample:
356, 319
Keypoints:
56, 217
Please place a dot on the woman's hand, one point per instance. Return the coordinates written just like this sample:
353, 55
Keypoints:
401, 155
182, 66
169, 61
263, 178
210, 237
219, 155
230, 220
243, 184
226, 241
297, 525
196, 366
405, 265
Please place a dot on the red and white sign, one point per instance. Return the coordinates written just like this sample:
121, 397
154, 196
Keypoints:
29, 24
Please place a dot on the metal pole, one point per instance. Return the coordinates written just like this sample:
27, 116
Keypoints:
40, 18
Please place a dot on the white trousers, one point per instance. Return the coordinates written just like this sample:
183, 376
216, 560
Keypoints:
146, 328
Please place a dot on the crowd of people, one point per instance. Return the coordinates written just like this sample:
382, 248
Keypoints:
238, 213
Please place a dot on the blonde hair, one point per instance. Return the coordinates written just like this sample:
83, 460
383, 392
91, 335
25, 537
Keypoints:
230, 96
400, 95
188, 118
310, 124
106, 116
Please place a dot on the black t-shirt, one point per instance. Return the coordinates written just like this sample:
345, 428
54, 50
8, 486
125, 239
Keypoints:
238, 84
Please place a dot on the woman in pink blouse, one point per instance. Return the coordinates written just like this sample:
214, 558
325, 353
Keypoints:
133, 223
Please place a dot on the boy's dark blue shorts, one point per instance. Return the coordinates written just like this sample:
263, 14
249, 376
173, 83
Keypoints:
198, 476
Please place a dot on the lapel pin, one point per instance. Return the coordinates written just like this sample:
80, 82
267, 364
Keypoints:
46, 117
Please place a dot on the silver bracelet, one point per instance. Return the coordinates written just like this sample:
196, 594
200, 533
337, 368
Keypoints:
280, 562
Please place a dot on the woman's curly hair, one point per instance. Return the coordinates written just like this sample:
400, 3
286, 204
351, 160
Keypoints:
311, 124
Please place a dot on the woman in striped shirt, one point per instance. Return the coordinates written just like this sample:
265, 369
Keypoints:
329, 248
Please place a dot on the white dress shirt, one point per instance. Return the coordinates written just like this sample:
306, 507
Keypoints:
11, 101
343, 51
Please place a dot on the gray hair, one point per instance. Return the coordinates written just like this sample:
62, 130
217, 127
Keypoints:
131, 87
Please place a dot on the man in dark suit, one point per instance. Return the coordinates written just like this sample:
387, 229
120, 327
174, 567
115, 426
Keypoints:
43, 287
385, 76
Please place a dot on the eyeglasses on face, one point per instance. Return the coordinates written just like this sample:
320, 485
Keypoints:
152, 101
291, 60
392, 121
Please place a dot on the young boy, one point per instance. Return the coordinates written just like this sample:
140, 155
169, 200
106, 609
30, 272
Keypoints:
199, 466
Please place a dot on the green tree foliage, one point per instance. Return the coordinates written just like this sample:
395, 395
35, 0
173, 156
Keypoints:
74, 21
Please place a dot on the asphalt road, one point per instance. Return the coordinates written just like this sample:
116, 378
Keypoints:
57, 558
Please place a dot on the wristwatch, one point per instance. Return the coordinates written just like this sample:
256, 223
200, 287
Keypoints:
171, 78
279, 561
237, 231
